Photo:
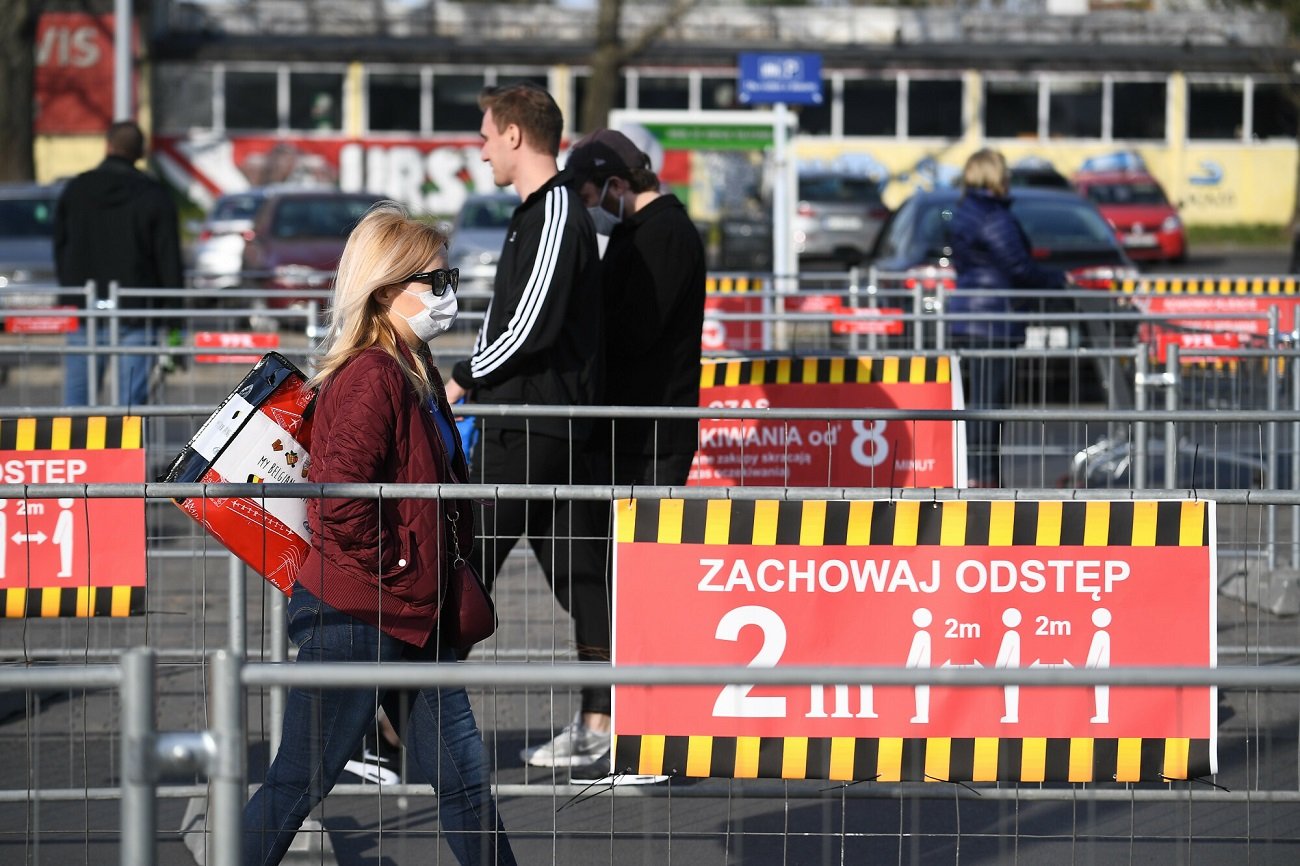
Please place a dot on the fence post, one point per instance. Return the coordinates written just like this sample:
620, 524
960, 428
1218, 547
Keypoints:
139, 806
227, 778
90, 327
1294, 367
114, 342
279, 653
1271, 431
238, 606
1138, 442
1173, 385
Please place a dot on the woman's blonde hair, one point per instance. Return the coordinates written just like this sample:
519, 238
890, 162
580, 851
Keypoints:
385, 248
987, 169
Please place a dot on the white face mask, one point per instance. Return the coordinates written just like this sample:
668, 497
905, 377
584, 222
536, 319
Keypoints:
439, 314
603, 219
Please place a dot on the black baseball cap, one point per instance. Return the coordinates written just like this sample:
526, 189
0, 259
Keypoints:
606, 152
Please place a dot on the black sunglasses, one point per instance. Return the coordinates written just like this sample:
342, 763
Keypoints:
438, 280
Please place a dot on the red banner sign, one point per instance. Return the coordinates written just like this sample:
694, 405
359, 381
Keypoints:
234, 340
916, 585
1196, 346
737, 335
48, 543
41, 324
1197, 312
829, 453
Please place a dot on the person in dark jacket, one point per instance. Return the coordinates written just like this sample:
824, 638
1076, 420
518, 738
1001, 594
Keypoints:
992, 257
653, 298
114, 223
371, 587
539, 344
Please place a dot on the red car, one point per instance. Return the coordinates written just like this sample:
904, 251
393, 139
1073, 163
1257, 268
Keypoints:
1136, 206
297, 239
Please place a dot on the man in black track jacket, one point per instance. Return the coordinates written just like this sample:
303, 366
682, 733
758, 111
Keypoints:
540, 344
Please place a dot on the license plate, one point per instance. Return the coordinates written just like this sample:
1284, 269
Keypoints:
1140, 240
843, 223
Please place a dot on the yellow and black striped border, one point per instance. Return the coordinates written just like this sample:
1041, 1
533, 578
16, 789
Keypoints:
914, 523
73, 601
731, 285
895, 759
825, 371
1213, 286
93, 433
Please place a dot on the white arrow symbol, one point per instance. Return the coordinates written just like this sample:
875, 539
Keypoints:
949, 664
21, 538
1039, 663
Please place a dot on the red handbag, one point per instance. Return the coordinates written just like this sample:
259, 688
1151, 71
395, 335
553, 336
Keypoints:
467, 615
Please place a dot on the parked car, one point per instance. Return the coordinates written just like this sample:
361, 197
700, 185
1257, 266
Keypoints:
297, 239
1038, 173
219, 249
1134, 203
837, 217
477, 235
27, 243
1064, 230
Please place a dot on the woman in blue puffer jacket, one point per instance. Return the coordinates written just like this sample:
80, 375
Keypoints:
991, 255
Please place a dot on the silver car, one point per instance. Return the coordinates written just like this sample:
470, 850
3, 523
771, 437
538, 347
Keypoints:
837, 217
478, 234
219, 250
27, 243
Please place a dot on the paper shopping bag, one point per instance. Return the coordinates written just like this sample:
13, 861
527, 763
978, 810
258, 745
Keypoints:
261, 433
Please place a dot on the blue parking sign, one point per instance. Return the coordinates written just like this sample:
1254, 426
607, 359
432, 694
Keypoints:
771, 78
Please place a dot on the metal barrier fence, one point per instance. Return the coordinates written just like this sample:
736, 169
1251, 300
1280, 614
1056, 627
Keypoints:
83, 749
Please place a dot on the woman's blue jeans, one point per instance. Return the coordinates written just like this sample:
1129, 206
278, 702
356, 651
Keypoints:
322, 730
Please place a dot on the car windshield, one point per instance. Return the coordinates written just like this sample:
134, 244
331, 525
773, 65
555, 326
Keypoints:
26, 218
1126, 193
833, 188
492, 213
1062, 225
236, 207
317, 217
1054, 225
931, 227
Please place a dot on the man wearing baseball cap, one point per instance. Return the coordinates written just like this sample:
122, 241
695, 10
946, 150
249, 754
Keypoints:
653, 300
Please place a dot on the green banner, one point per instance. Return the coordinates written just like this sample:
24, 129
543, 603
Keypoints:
706, 136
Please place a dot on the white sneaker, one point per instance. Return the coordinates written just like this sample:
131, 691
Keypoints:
575, 746
370, 769
598, 773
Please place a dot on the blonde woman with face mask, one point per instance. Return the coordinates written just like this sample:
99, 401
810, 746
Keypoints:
371, 586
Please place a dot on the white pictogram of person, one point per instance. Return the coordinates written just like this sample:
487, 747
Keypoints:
919, 657
1099, 657
63, 536
4, 537
1009, 657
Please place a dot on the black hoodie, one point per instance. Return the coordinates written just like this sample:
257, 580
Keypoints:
116, 223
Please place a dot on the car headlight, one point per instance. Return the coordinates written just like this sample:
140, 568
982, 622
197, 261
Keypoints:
1171, 224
